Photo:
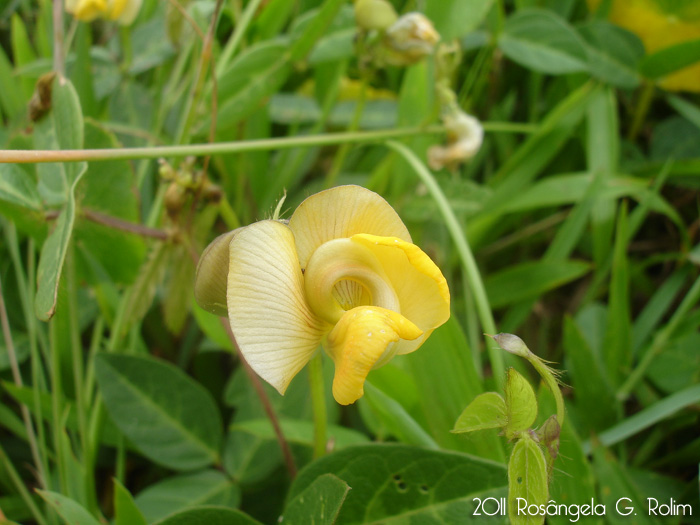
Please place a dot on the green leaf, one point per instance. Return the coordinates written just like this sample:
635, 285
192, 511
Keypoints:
529, 160
62, 128
301, 432
109, 187
613, 53
649, 416
520, 404
688, 110
595, 397
678, 366
544, 42
615, 484
446, 379
253, 76
53, 255
71, 512
125, 510
319, 503
169, 417
314, 30
670, 59
395, 418
11, 100
402, 484
531, 279
488, 410
618, 334
23, 53
16, 187
209, 516
339, 45
211, 326
456, 18
572, 479
527, 480
178, 493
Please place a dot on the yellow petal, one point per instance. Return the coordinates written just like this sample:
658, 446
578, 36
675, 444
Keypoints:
364, 338
88, 10
420, 287
211, 277
125, 11
331, 269
342, 212
274, 327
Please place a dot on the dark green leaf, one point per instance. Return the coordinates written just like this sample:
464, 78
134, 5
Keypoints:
255, 75
169, 417
209, 516
395, 418
125, 510
318, 504
302, 432
542, 41
16, 187
671, 59
175, 494
531, 279
71, 512
595, 398
456, 18
613, 53
406, 484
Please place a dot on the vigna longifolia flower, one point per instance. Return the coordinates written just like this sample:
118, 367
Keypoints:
122, 11
342, 273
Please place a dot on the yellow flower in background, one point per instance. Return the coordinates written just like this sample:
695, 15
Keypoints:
661, 24
342, 273
121, 11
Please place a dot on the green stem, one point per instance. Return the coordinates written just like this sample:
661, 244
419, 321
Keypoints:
552, 384
127, 52
19, 485
235, 40
339, 159
154, 152
471, 271
642, 110
318, 403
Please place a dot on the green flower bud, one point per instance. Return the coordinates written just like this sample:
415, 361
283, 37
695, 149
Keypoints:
374, 14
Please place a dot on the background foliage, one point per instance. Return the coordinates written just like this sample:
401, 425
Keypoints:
581, 208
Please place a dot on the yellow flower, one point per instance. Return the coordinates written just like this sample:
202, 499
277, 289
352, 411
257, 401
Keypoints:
661, 24
122, 11
342, 273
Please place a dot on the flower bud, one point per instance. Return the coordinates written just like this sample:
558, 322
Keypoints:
212, 274
374, 14
122, 11
411, 38
465, 136
512, 343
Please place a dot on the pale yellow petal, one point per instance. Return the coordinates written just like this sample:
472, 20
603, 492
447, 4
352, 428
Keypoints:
211, 277
420, 287
363, 339
342, 212
274, 327
126, 11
